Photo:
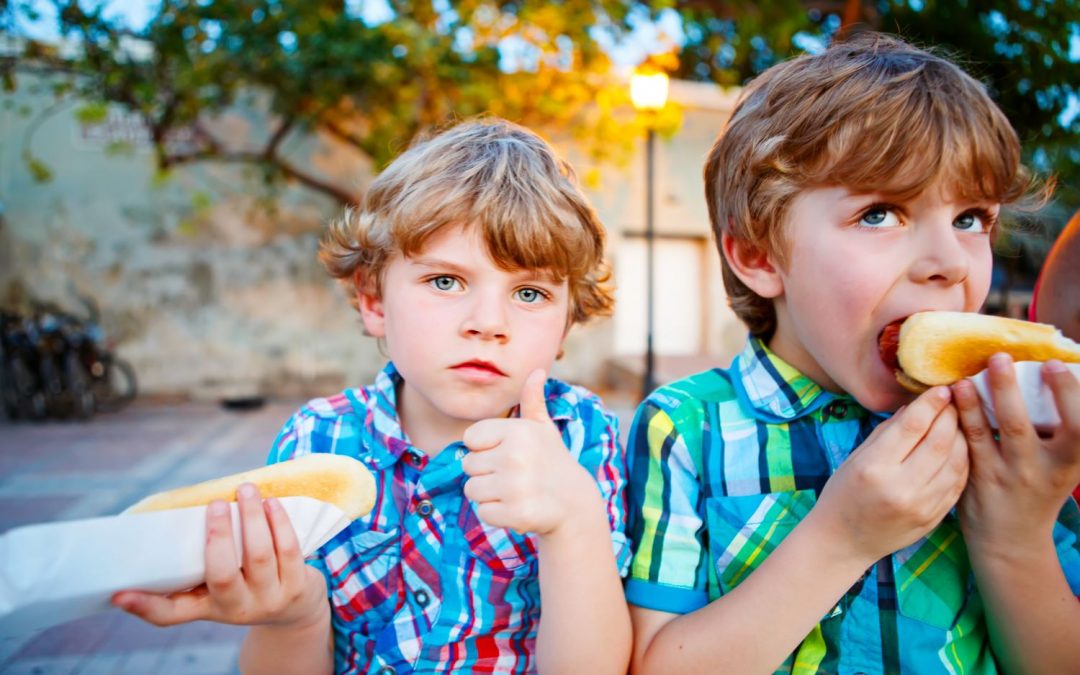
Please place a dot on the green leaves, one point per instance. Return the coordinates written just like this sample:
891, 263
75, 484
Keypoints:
320, 65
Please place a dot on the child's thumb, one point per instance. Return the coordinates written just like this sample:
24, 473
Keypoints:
533, 402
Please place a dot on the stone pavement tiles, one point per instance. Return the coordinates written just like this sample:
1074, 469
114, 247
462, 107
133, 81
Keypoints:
64, 471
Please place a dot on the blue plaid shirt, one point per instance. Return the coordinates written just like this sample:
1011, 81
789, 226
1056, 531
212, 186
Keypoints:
724, 464
421, 584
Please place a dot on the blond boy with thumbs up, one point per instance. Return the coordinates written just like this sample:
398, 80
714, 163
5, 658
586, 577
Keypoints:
471, 257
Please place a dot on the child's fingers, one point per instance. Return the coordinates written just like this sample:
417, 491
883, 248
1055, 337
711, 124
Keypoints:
908, 428
481, 489
1066, 390
948, 483
977, 431
495, 514
486, 434
223, 577
931, 453
533, 402
290, 558
165, 610
260, 563
479, 463
1014, 427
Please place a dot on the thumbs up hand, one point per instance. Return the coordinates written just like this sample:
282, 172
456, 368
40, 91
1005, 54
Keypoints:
522, 476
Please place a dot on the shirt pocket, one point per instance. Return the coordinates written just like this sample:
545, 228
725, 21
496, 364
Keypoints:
364, 571
504, 551
933, 576
744, 530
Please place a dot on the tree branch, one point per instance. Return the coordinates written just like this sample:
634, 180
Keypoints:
339, 132
285, 168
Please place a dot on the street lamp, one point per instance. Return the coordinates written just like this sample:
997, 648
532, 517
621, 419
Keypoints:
648, 91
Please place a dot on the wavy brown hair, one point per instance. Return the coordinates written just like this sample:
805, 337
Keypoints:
871, 114
485, 173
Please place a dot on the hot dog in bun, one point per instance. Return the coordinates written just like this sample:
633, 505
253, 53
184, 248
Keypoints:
932, 348
340, 480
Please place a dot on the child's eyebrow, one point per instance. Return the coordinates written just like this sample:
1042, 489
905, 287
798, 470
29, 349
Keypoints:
525, 274
436, 263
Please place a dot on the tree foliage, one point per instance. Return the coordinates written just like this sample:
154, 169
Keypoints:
323, 66
1024, 51
1021, 50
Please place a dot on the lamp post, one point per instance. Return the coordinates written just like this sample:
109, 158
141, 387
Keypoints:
648, 91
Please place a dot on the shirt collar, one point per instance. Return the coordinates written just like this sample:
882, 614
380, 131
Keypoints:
772, 389
386, 439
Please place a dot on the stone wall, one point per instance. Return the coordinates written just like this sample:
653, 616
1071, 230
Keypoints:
207, 282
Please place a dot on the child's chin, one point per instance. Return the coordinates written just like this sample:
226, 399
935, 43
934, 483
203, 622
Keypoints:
475, 413
885, 401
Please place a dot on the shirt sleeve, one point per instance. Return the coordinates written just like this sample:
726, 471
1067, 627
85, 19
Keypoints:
296, 437
603, 457
670, 566
1067, 542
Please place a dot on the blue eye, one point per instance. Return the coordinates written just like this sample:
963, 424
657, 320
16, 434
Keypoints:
445, 283
878, 217
529, 295
973, 221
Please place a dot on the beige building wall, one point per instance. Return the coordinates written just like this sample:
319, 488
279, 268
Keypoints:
208, 281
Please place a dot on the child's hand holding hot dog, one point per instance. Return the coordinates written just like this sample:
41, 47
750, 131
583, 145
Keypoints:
269, 585
1019, 480
1018, 484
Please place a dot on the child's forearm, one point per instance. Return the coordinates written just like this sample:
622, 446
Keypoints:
584, 623
280, 650
1033, 616
761, 621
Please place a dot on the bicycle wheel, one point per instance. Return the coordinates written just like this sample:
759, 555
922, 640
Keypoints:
52, 385
30, 403
78, 388
118, 384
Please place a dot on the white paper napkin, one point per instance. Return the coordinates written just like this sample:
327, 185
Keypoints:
55, 572
1037, 396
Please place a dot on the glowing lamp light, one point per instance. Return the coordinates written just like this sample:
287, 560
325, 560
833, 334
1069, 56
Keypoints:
649, 90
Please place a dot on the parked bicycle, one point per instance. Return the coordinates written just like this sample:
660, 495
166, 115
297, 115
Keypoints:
55, 364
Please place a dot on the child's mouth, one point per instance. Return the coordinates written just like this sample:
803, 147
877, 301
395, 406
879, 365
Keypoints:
888, 342
479, 367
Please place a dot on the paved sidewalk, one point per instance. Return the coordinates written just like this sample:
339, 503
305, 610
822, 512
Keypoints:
63, 471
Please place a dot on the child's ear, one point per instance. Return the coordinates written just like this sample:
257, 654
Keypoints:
754, 266
371, 312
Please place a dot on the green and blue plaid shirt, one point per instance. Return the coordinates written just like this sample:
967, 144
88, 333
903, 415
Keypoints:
725, 463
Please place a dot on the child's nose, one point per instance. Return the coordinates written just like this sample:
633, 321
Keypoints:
942, 257
487, 319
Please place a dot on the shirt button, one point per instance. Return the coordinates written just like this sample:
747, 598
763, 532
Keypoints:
836, 409
422, 598
387, 670
425, 507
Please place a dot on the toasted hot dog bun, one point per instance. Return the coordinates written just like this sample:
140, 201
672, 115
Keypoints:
339, 480
945, 347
